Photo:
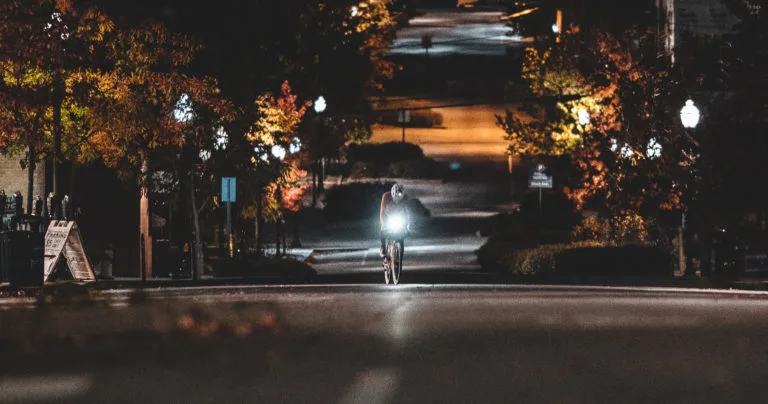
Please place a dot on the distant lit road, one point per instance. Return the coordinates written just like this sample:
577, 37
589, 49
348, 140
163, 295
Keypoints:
468, 134
456, 32
424, 344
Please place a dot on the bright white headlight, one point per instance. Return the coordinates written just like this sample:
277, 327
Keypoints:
395, 223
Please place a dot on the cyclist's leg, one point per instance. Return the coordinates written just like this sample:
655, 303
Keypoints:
383, 250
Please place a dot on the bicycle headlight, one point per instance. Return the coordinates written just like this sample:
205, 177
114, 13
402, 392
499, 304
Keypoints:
395, 223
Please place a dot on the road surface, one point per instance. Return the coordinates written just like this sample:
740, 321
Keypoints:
456, 32
412, 344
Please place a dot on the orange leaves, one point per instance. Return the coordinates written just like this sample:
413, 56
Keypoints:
279, 118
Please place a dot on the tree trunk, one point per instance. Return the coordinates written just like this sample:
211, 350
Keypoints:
314, 184
198, 248
58, 97
258, 226
30, 178
321, 178
144, 218
277, 238
296, 240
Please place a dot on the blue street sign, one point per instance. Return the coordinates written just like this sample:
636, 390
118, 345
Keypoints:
228, 189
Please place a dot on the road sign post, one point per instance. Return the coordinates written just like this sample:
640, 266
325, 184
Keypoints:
539, 179
229, 195
403, 117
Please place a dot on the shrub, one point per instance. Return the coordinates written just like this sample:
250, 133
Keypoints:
418, 168
629, 260
355, 201
383, 154
538, 260
619, 230
586, 258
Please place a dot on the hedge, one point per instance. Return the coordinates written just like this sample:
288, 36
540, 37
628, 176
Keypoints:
629, 260
580, 259
383, 154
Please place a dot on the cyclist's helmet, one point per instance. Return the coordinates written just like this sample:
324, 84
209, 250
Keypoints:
398, 192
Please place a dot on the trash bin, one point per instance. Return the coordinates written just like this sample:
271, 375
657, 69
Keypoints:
167, 260
21, 257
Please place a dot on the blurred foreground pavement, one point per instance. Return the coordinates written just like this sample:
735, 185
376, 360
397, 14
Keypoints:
378, 344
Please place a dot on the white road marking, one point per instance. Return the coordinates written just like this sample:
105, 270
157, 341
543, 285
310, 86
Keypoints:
373, 386
44, 388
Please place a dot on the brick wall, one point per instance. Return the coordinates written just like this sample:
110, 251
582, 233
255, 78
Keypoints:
13, 178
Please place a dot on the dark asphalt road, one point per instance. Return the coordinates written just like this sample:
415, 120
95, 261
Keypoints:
414, 344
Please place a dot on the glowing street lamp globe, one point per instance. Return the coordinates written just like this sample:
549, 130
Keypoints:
278, 152
183, 112
654, 149
626, 151
320, 104
222, 138
690, 115
295, 146
583, 117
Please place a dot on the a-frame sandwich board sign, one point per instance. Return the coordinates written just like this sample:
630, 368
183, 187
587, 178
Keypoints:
63, 239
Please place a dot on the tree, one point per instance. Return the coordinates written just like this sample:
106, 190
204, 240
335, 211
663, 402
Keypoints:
133, 107
45, 47
277, 126
632, 156
24, 114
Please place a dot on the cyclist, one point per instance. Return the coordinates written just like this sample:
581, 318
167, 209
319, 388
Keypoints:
391, 202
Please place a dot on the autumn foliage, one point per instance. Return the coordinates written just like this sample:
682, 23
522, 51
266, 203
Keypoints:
631, 154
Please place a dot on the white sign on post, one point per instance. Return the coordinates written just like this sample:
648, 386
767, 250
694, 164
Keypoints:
404, 116
228, 189
540, 180
63, 239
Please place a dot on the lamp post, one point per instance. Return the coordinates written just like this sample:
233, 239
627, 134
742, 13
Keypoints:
278, 152
689, 116
56, 28
320, 106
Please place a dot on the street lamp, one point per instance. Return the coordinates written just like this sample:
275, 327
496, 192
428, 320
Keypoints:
222, 138
320, 104
689, 116
583, 117
654, 149
626, 151
183, 112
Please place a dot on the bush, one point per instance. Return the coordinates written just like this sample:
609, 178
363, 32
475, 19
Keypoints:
619, 230
575, 259
355, 201
630, 260
419, 168
383, 154
393, 160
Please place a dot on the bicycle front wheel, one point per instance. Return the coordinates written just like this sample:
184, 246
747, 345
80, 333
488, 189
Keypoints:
396, 261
